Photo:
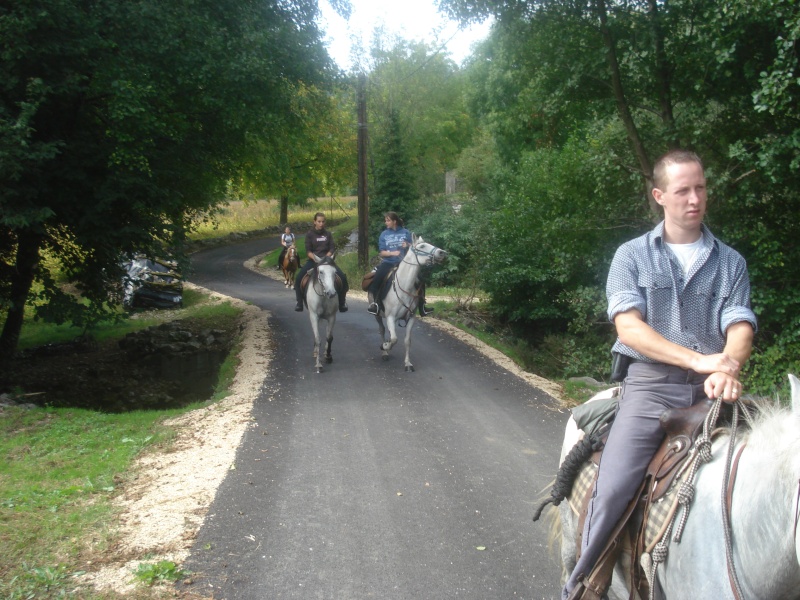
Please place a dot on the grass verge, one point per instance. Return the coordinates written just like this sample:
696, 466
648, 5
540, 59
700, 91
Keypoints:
61, 469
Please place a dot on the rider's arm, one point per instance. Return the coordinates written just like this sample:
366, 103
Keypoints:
723, 368
635, 333
738, 345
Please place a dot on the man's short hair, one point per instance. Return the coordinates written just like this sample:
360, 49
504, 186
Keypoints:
319, 214
673, 157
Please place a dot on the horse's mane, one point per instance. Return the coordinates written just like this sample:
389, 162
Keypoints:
775, 431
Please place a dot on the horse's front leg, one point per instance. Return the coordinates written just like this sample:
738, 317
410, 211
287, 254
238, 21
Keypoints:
315, 327
388, 344
331, 323
410, 324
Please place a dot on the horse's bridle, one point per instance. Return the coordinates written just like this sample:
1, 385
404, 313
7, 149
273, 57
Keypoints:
418, 253
322, 263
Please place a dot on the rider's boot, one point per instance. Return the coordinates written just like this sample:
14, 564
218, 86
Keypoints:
343, 303
424, 309
299, 306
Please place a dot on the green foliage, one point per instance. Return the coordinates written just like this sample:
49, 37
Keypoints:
122, 123
574, 129
162, 571
416, 95
554, 230
393, 190
457, 226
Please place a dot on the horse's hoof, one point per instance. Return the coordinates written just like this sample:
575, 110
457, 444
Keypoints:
410, 369
329, 359
319, 370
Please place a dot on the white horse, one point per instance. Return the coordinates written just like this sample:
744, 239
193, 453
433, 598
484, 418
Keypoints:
763, 515
402, 298
323, 304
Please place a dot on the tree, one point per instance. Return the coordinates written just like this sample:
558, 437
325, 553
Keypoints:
123, 122
420, 90
626, 82
392, 188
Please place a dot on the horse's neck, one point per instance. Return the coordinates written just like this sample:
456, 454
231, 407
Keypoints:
406, 275
762, 520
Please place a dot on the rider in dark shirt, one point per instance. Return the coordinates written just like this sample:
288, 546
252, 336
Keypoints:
319, 243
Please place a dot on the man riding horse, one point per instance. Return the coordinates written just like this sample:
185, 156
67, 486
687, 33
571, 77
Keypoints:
393, 244
680, 301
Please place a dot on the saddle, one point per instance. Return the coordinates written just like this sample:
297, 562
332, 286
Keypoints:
643, 519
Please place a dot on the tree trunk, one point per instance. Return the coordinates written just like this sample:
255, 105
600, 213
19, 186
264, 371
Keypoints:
26, 263
662, 73
622, 104
284, 210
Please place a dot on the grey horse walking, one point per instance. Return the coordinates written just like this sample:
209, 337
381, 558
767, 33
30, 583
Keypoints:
403, 296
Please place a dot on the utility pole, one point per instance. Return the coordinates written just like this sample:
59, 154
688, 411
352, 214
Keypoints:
363, 199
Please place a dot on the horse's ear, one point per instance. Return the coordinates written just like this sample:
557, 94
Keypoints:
794, 383
414, 239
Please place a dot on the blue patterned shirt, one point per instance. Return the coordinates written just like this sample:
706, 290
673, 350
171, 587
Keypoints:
694, 310
392, 239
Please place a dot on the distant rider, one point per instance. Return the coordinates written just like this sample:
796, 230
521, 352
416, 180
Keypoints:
287, 239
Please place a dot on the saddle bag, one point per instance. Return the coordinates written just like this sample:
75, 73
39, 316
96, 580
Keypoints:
367, 280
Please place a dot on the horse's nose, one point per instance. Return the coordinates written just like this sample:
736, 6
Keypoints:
441, 255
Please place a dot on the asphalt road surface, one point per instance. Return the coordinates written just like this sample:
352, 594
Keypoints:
369, 482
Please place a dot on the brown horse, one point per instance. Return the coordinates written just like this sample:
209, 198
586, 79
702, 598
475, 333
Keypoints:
290, 264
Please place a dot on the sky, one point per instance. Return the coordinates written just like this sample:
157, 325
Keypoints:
413, 20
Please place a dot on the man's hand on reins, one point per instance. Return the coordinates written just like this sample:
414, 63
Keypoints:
725, 385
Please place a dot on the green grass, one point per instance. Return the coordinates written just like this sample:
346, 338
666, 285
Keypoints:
60, 469
260, 214
37, 333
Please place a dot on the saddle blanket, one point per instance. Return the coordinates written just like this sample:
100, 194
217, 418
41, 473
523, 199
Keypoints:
659, 510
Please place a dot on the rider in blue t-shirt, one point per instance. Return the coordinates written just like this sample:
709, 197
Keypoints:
393, 244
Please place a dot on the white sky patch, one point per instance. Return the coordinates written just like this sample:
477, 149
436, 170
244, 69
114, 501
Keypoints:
412, 20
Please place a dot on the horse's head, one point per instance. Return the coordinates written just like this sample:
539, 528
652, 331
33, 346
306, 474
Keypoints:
326, 275
425, 253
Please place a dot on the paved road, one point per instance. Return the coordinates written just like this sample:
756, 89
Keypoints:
368, 482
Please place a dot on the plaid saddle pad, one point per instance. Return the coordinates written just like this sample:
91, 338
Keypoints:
659, 510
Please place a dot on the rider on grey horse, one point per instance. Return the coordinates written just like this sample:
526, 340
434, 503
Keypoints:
319, 242
393, 244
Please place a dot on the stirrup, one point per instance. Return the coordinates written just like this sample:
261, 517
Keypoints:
425, 310
373, 308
